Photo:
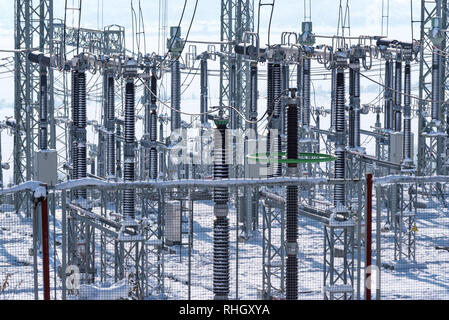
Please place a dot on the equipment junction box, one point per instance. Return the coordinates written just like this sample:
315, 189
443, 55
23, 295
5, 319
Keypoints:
45, 167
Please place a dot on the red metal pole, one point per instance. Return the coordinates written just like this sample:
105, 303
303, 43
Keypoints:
368, 226
45, 248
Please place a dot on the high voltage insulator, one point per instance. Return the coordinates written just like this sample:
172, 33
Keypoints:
354, 105
340, 102
118, 153
333, 85
110, 126
221, 258
277, 90
81, 131
147, 97
351, 106
75, 110
254, 96
153, 126
221, 223
398, 97
233, 93
407, 147
292, 204
82, 113
128, 172
284, 88
204, 87
388, 95
221, 166
306, 92
357, 104
130, 125
175, 95
292, 133
43, 110
75, 102
274, 142
270, 91
436, 96
270, 106
339, 189
299, 70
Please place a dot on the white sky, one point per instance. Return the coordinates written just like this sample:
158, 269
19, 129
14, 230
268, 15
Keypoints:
365, 19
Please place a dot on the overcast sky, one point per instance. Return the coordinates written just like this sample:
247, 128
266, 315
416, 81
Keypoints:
365, 18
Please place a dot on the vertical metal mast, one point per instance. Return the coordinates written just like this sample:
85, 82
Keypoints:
237, 17
388, 95
153, 125
130, 234
292, 201
33, 22
433, 78
299, 84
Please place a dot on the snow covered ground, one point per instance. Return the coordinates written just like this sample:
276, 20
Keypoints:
16, 263
429, 279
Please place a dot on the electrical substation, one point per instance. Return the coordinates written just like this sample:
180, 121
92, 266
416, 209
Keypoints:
258, 163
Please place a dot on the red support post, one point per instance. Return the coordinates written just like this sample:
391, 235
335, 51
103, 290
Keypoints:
45, 247
368, 226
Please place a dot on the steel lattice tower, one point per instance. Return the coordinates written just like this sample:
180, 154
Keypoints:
434, 45
237, 17
33, 28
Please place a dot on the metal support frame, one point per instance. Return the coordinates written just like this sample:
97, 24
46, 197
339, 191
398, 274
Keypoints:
237, 17
397, 102
110, 40
432, 86
273, 250
339, 261
338, 266
33, 23
405, 222
292, 201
